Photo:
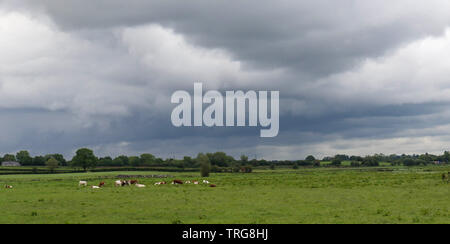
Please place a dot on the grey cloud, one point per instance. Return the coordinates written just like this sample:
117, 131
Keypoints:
313, 37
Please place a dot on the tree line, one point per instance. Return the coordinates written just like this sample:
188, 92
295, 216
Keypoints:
216, 162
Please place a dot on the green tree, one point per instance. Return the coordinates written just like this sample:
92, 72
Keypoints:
59, 157
205, 164
336, 162
244, 160
219, 158
355, 164
310, 158
52, 164
106, 161
38, 161
342, 157
446, 156
147, 159
84, 158
188, 161
134, 161
24, 158
370, 161
122, 160
9, 158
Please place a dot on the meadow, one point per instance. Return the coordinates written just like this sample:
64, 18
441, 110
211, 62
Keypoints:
280, 196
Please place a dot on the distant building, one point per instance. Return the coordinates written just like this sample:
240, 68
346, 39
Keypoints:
10, 164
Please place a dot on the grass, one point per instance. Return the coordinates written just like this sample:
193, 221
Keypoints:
323, 195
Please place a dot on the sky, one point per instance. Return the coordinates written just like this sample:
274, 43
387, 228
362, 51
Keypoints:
355, 77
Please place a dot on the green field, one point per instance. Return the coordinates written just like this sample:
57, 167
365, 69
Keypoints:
322, 195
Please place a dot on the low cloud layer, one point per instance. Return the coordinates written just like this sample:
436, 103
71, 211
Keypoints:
354, 77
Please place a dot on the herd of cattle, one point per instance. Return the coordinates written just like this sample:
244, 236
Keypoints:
121, 183
445, 178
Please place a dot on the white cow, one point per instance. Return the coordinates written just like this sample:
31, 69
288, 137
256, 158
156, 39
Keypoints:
118, 183
8, 187
205, 181
140, 185
188, 182
95, 187
82, 183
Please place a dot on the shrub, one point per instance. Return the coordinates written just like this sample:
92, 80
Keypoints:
410, 162
355, 164
247, 169
336, 162
370, 162
205, 165
52, 164
316, 163
303, 163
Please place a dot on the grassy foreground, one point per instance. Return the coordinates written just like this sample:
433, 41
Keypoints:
404, 195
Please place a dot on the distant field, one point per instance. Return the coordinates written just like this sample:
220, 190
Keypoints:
322, 195
348, 163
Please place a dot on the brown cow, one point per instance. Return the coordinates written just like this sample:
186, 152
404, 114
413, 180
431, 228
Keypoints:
212, 185
102, 184
134, 182
177, 182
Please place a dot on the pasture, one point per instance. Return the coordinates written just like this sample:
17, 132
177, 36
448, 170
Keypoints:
322, 195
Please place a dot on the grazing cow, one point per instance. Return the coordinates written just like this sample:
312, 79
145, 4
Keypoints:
125, 182
195, 182
95, 187
133, 182
205, 182
140, 185
8, 187
82, 183
212, 185
118, 183
102, 184
160, 183
177, 182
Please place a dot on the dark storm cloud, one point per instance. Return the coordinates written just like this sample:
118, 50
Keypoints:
312, 37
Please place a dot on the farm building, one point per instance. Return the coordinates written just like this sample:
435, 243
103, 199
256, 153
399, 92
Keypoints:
11, 164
